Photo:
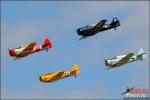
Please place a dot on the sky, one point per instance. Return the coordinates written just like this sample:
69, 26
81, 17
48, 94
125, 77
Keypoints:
23, 22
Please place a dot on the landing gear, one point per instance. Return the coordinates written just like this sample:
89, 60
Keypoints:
115, 28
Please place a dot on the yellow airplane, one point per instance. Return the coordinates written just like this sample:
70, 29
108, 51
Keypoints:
55, 76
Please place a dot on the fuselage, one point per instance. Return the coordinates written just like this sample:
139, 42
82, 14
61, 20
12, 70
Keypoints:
52, 77
85, 31
16, 52
113, 61
23, 51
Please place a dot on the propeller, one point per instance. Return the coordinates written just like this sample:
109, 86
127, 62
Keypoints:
105, 62
9, 49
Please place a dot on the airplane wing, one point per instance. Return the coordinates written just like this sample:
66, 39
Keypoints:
58, 75
97, 27
82, 38
124, 93
124, 60
128, 91
17, 57
28, 49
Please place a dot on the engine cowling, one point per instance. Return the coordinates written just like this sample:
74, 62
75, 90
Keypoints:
12, 52
79, 31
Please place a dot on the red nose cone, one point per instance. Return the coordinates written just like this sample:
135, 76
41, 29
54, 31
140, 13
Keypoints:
12, 52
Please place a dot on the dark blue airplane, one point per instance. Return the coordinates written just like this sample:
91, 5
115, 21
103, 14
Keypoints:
93, 29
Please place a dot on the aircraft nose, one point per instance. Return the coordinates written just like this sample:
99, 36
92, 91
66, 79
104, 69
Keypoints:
12, 52
43, 79
78, 31
40, 78
106, 63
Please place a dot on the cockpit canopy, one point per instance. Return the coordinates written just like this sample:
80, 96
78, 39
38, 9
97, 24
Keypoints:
117, 57
88, 27
121, 56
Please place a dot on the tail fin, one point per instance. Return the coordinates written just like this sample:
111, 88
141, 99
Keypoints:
47, 43
141, 51
75, 70
114, 19
141, 54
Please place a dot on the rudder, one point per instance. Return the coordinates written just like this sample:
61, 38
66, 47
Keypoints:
47, 43
75, 70
141, 51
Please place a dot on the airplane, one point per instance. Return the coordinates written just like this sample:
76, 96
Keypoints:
21, 52
124, 59
93, 29
127, 90
55, 76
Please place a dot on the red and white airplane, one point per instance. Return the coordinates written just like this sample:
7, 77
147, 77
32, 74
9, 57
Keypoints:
21, 52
